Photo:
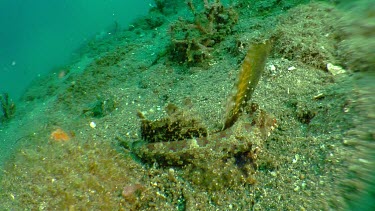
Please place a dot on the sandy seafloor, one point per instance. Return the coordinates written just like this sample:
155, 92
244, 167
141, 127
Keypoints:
320, 156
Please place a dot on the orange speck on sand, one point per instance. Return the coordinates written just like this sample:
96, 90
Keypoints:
59, 135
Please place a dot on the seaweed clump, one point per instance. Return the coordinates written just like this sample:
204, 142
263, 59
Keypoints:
193, 40
8, 107
175, 127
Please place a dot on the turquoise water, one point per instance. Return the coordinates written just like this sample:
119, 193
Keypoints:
39, 35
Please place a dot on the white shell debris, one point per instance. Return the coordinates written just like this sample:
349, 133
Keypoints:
296, 157
335, 70
292, 68
272, 67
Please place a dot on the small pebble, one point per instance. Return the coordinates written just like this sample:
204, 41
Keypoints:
292, 68
335, 70
92, 124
